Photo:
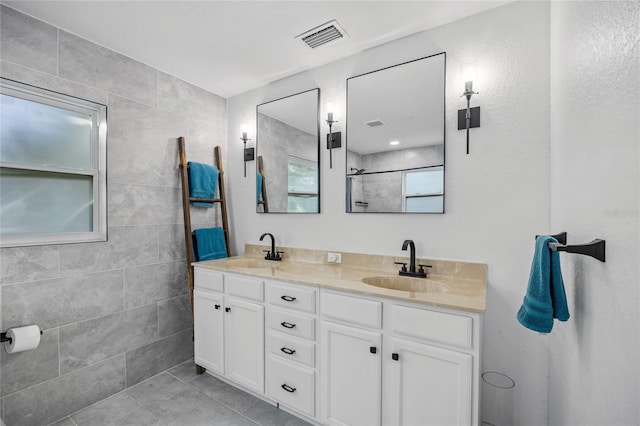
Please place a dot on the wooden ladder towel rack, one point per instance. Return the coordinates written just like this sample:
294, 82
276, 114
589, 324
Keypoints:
186, 208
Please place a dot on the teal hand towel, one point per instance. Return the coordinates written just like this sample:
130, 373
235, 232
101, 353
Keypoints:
545, 298
203, 179
259, 186
209, 244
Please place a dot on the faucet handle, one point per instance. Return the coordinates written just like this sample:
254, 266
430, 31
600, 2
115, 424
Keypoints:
421, 270
278, 253
404, 265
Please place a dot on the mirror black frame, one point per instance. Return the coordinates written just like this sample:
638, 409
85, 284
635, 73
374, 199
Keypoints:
444, 132
319, 151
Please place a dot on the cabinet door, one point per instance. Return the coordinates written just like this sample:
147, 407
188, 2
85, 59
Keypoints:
244, 343
426, 385
352, 372
208, 331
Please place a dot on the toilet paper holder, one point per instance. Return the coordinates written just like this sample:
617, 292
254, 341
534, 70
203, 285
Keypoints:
4, 338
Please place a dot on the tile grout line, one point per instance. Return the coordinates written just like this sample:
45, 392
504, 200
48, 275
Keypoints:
66, 374
221, 402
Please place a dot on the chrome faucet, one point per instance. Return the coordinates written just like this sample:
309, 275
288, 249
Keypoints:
273, 254
420, 273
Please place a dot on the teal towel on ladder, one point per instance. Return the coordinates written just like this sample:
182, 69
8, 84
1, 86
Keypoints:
259, 186
209, 244
203, 179
545, 298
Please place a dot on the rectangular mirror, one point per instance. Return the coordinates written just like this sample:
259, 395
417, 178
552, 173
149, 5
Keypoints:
395, 138
288, 146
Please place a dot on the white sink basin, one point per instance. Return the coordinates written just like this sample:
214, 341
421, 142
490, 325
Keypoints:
397, 282
252, 263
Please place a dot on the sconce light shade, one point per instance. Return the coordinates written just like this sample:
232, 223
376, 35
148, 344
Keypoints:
330, 111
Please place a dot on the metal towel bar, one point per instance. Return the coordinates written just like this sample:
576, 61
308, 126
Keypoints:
595, 248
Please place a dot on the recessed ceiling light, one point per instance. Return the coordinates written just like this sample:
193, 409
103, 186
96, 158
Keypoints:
394, 143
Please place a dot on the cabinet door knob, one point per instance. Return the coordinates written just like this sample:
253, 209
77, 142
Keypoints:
287, 324
288, 388
227, 309
217, 306
288, 298
394, 356
373, 349
288, 351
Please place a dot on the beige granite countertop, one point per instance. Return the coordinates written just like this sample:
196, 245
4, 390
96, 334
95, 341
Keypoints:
453, 285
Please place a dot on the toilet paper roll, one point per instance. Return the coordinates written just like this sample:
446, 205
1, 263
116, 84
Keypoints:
22, 339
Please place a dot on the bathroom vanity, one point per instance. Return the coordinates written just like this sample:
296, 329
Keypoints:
316, 339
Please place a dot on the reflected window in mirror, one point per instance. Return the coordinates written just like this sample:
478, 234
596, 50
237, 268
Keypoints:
288, 146
395, 138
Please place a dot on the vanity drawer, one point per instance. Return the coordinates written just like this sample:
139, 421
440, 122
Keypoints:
205, 279
245, 287
292, 385
353, 310
455, 330
292, 323
292, 297
291, 348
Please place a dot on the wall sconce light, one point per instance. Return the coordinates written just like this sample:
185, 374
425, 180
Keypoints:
249, 154
470, 117
334, 140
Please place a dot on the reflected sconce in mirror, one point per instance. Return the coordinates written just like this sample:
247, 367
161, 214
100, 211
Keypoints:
334, 140
470, 117
249, 153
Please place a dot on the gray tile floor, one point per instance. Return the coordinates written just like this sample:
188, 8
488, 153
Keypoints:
180, 397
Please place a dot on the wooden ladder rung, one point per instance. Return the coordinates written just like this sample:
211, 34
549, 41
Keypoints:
205, 200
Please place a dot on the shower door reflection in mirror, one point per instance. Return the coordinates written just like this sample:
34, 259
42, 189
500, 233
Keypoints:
395, 139
288, 146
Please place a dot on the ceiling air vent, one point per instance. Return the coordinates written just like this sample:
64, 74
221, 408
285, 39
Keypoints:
324, 34
374, 123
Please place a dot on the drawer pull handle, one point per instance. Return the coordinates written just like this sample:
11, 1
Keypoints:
288, 298
287, 324
217, 306
288, 351
373, 349
288, 388
227, 309
394, 356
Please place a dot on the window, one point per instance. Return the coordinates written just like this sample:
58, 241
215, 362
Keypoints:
303, 185
52, 167
422, 190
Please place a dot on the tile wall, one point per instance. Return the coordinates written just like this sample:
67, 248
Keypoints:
113, 313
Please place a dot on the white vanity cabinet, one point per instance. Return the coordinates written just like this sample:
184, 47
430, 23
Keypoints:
208, 330
229, 326
351, 359
429, 367
417, 367
291, 345
339, 358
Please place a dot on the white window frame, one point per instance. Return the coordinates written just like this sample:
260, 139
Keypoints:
406, 196
97, 171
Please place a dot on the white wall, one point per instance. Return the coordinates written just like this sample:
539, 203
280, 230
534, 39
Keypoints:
595, 134
497, 198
